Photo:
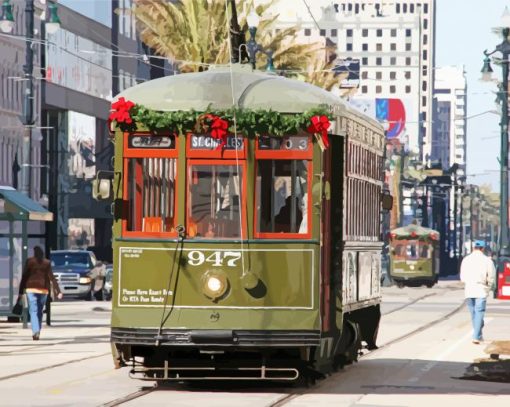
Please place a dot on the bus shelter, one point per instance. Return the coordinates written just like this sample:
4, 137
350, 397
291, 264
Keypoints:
16, 211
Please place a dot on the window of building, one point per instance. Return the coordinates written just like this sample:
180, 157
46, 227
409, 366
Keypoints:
378, 61
424, 101
364, 89
378, 89
408, 32
425, 55
393, 89
425, 39
322, 33
348, 46
408, 89
404, 8
378, 47
334, 32
379, 32
424, 86
408, 61
393, 32
308, 32
393, 75
364, 32
364, 75
393, 61
398, 8
408, 46
364, 47
393, 47
364, 61
425, 23
408, 75
349, 32
411, 8
425, 8
378, 75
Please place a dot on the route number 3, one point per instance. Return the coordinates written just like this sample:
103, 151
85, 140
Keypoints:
217, 259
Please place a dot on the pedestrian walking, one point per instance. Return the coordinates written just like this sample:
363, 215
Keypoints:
36, 282
477, 272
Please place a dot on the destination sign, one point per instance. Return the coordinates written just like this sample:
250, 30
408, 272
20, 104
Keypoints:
158, 142
205, 142
294, 143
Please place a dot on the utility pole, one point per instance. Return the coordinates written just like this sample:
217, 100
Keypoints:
27, 117
401, 185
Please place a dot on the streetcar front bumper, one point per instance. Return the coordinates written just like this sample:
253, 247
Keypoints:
216, 338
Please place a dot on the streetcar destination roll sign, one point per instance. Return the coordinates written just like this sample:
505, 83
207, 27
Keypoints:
206, 142
158, 142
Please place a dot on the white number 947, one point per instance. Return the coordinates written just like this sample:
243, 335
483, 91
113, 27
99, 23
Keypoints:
217, 259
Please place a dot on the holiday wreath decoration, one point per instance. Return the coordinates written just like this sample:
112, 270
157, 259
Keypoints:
128, 117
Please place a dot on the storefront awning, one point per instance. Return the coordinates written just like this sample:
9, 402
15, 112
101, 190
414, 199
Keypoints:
18, 206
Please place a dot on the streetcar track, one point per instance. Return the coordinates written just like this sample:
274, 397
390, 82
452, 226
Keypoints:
132, 396
41, 369
401, 307
289, 397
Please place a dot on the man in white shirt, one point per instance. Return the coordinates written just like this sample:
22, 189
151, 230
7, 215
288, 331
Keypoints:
477, 272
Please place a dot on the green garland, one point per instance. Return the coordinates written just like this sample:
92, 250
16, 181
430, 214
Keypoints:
249, 122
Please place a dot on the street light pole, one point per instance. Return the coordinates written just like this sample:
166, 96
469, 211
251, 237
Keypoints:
27, 117
52, 24
504, 49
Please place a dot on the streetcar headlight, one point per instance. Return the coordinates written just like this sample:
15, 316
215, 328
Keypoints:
85, 280
411, 267
215, 284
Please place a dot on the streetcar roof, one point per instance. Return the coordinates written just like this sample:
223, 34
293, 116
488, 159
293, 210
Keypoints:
252, 90
412, 229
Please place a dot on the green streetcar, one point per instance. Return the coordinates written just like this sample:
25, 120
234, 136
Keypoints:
250, 253
414, 256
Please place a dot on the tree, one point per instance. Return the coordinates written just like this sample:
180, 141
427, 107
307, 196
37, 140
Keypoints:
195, 34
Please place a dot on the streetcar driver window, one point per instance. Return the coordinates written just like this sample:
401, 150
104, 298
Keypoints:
399, 250
282, 196
151, 195
214, 201
412, 252
425, 251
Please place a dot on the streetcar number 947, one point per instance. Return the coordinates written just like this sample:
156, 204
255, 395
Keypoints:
216, 259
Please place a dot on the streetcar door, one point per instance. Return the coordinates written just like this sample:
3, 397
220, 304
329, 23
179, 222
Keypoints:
331, 226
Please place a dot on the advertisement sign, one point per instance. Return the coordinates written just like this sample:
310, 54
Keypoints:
352, 68
392, 111
81, 145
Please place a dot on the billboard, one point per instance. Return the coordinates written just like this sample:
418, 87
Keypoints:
398, 113
81, 145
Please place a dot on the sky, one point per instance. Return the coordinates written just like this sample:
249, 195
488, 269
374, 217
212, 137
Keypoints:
463, 32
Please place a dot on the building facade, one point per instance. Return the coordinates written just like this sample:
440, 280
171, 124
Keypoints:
393, 41
449, 142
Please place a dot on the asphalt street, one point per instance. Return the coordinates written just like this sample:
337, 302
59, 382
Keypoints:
424, 343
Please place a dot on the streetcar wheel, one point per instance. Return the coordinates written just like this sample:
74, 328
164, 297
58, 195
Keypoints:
400, 284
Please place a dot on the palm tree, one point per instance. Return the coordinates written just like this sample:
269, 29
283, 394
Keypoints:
195, 34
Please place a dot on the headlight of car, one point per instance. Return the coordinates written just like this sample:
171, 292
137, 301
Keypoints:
215, 284
85, 280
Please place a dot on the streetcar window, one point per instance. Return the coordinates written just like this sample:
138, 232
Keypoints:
399, 250
412, 252
151, 195
214, 201
282, 196
425, 251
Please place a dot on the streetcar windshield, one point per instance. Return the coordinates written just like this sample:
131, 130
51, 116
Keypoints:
151, 194
214, 201
282, 196
412, 250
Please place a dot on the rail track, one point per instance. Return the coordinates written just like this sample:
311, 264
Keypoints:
292, 393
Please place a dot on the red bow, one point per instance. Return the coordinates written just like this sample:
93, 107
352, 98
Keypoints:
320, 124
120, 111
219, 129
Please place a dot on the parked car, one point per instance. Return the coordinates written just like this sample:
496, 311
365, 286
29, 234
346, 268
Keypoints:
72, 269
108, 283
